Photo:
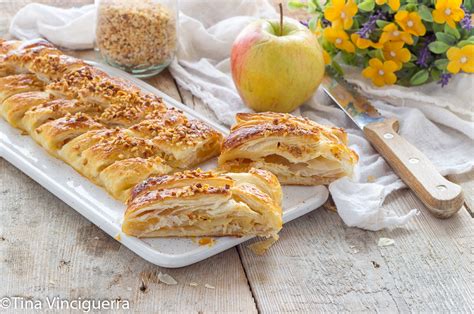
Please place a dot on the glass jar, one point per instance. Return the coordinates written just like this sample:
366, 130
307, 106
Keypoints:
138, 36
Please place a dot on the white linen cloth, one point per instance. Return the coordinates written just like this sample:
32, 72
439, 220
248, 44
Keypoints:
438, 121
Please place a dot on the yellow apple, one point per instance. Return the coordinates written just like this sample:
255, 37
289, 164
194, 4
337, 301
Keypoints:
273, 70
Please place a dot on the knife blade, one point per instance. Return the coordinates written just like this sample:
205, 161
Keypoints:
442, 197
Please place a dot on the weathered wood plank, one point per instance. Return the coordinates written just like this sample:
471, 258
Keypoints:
319, 264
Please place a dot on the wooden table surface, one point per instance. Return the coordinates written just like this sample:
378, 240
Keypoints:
319, 264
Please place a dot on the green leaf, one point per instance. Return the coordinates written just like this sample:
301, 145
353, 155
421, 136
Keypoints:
463, 43
337, 68
446, 38
367, 5
420, 77
425, 13
311, 7
293, 5
438, 27
435, 74
438, 47
411, 7
381, 23
312, 24
469, 5
441, 63
409, 65
452, 31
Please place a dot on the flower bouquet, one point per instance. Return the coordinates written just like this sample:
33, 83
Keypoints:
405, 42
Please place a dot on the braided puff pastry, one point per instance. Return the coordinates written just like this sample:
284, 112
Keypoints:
297, 150
106, 128
197, 203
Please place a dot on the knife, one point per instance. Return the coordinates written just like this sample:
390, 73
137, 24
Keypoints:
442, 197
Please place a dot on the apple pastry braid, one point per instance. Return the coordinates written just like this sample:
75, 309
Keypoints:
198, 203
297, 150
106, 128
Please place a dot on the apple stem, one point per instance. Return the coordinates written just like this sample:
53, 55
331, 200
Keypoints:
281, 18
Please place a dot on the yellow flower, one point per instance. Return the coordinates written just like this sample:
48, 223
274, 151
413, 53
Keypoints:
341, 13
339, 38
461, 59
393, 4
410, 22
448, 11
392, 33
326, 57
363, 43
381, 73
393, 50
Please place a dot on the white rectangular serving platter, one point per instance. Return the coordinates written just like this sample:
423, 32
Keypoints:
101, 209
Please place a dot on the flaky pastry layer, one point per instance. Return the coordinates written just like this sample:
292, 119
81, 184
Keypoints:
198, 203
297, 150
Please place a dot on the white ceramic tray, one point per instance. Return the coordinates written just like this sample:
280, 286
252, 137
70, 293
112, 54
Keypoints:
96, 205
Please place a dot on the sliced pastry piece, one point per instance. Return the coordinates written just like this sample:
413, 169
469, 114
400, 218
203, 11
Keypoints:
184, 143
53, 135
120, 177
20, 83
297, 150
197, 203
15, 107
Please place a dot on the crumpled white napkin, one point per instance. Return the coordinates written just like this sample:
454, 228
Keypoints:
69, 28
437, 121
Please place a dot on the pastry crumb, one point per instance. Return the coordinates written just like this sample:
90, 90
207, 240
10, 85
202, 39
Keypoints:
261, 247
193, 284
118, 237
386, 242
208, 286
207, 241
167, 279
370, 179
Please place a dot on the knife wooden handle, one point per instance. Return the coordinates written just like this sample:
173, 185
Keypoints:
442, 197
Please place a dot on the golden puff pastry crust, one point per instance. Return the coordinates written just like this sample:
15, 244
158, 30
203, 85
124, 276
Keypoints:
19, 57
53, 135
15, 107
297, 150
198, 203
53, 110
186, 143
122, 176
120, 147
19, 83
